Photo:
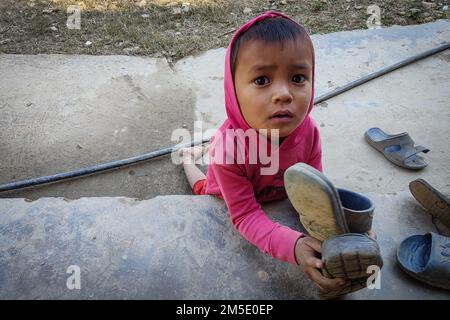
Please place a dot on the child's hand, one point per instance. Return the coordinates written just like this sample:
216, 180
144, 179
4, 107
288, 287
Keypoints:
305, 253
372, 234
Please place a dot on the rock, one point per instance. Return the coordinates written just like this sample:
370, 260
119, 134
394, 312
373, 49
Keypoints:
358, 7
79, 147
428, 5
49, 10
414, 11
88, 43
445, 8
4, 41
177, 11
145, 15
131, 49
178, 25
53, 28
247, 11
283, 2
186, 7
143, 3
401, 13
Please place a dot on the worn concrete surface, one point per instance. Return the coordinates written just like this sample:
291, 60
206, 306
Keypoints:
59, 113
63, 112
174, 247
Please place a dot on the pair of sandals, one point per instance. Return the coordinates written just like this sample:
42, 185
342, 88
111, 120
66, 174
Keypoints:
427, 257
424, 257
341, 219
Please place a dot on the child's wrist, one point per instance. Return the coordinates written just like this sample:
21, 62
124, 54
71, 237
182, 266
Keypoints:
297, 249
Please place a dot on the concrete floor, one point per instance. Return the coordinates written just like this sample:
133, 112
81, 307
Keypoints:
175, 247
64, 112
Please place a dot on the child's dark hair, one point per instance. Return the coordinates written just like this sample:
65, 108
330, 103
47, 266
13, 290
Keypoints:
278, 29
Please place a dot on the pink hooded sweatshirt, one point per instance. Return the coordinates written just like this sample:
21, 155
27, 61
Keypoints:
242, 185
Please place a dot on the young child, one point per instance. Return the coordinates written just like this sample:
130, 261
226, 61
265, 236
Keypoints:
269, 84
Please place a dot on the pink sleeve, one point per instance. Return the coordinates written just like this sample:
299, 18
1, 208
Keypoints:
315, 158
248, 217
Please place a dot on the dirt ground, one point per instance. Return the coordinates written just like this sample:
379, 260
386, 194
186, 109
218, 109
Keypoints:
175, 29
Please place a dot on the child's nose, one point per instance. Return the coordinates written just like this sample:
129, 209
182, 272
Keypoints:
282, 94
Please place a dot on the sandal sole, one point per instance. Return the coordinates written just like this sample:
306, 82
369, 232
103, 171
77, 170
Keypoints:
354, 285
316, 201
350, 256
432, 200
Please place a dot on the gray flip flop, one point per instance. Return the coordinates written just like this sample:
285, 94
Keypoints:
397, 148
358, 210
426, 258
316, 200
323, 211
352, 286
349, 256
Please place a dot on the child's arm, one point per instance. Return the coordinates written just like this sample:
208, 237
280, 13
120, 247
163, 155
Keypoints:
248, 217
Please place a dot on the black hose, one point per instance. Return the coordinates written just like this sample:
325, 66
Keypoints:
147, 156
380, 72
94, 169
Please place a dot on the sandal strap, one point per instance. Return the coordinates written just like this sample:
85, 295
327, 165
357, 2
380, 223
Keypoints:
413, 151
402, 139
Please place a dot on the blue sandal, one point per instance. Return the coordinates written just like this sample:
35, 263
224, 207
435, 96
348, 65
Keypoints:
426, 258
397, 148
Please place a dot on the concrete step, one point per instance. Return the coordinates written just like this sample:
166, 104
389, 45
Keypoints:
174, 247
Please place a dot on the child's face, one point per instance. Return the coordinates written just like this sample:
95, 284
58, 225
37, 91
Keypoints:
273, 84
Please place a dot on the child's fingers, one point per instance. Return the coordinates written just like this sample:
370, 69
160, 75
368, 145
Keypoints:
312, 262
322, 282
372, 234
314, 243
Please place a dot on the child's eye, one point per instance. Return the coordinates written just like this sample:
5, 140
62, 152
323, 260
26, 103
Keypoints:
298, 78
261, 81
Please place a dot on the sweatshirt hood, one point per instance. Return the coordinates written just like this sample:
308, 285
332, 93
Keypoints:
235, 117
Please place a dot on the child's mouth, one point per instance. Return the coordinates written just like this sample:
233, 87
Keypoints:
282, 116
